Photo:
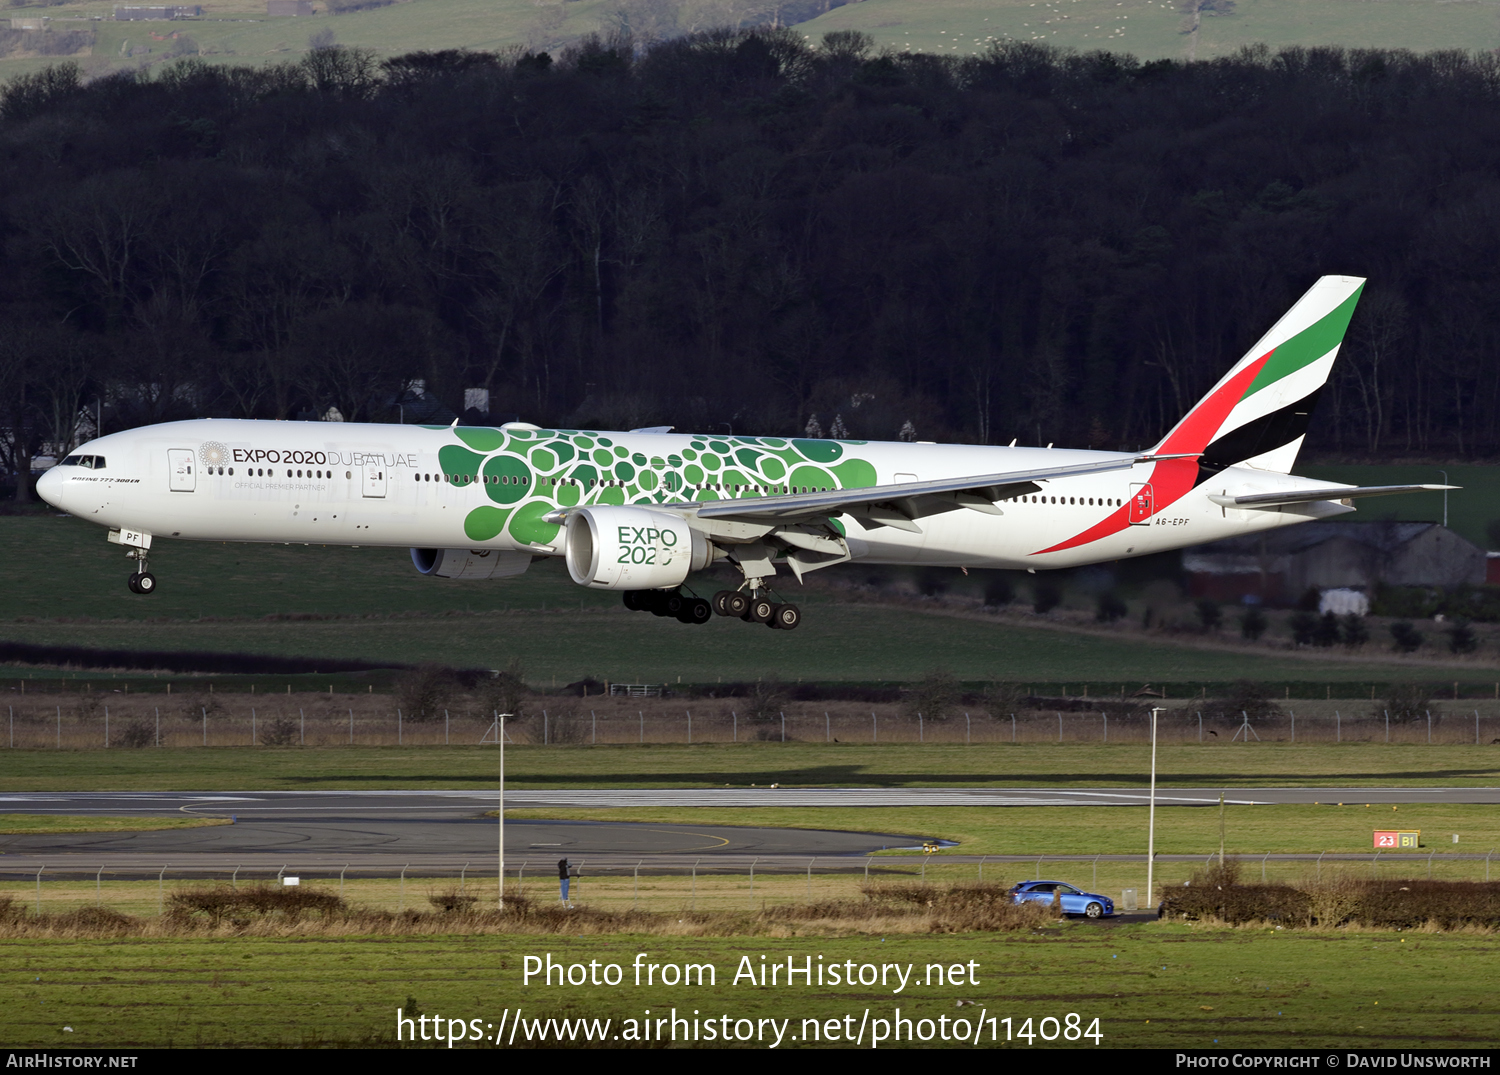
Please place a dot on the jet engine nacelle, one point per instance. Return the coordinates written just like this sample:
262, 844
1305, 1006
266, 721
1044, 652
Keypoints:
470, 563
625, 548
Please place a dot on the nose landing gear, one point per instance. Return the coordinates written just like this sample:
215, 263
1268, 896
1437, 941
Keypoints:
140, 581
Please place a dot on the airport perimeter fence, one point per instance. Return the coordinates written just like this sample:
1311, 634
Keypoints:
738, 884
220, 723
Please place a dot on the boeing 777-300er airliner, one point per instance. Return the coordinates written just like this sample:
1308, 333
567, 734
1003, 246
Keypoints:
641, 511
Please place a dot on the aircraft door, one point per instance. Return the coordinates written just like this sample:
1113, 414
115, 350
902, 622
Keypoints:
374, 479
180, 467
1140, 504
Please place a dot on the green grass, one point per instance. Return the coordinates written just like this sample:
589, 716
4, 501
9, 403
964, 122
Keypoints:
42, 824
249, 581
404, 27
667, 890
1149, 986
835, 642
1037, 830
1152, 29
241, 33
716, 765
11, 67
298, 600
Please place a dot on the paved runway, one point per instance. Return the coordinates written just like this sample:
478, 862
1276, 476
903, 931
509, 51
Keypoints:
328, 825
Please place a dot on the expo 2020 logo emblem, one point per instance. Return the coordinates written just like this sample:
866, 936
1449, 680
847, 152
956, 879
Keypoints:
213, 454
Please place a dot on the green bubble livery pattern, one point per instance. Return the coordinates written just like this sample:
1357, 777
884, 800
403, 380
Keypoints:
524, 473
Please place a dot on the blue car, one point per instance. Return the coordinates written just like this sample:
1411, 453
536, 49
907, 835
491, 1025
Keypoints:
1073, 901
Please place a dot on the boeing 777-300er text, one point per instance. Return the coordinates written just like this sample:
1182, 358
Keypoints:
642, 511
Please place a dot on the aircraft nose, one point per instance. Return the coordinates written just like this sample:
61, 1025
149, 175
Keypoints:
49, 487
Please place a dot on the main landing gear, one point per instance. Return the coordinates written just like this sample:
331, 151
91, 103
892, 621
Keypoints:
674, 603
140, 581
757, 607
753, 608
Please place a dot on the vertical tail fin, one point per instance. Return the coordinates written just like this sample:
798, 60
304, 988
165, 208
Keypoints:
1258, 413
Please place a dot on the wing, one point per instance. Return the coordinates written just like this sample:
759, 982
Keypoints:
900, 505
760, 528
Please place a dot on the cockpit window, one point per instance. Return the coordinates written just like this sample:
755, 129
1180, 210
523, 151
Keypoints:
98, 462
71, 461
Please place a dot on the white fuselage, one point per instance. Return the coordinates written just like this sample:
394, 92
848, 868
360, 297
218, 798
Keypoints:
348, 484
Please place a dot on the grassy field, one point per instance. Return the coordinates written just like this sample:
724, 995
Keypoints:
1149, 986
250, 36
836, 642
693, 885
234, 31
249, 581
40, 824
297, 600
1152, 29
1180, 830
237, 32
1156, 985
717, 765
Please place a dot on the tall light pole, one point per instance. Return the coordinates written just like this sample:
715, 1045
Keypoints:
1151, 818
500, 723
1444, 473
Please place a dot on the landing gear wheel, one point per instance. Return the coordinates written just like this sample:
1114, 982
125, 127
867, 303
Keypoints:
760, 609
673, 603
632, 600
786, 617
656, 603
735, 603
1093, 910
720, 600
145, 583
130, 581
696, 611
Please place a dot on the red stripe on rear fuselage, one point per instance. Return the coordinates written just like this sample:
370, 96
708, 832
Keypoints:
1171, 479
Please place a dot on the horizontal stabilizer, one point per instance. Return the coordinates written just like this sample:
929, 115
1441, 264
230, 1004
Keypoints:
1308, 496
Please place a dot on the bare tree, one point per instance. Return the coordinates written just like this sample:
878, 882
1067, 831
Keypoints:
1378, 329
